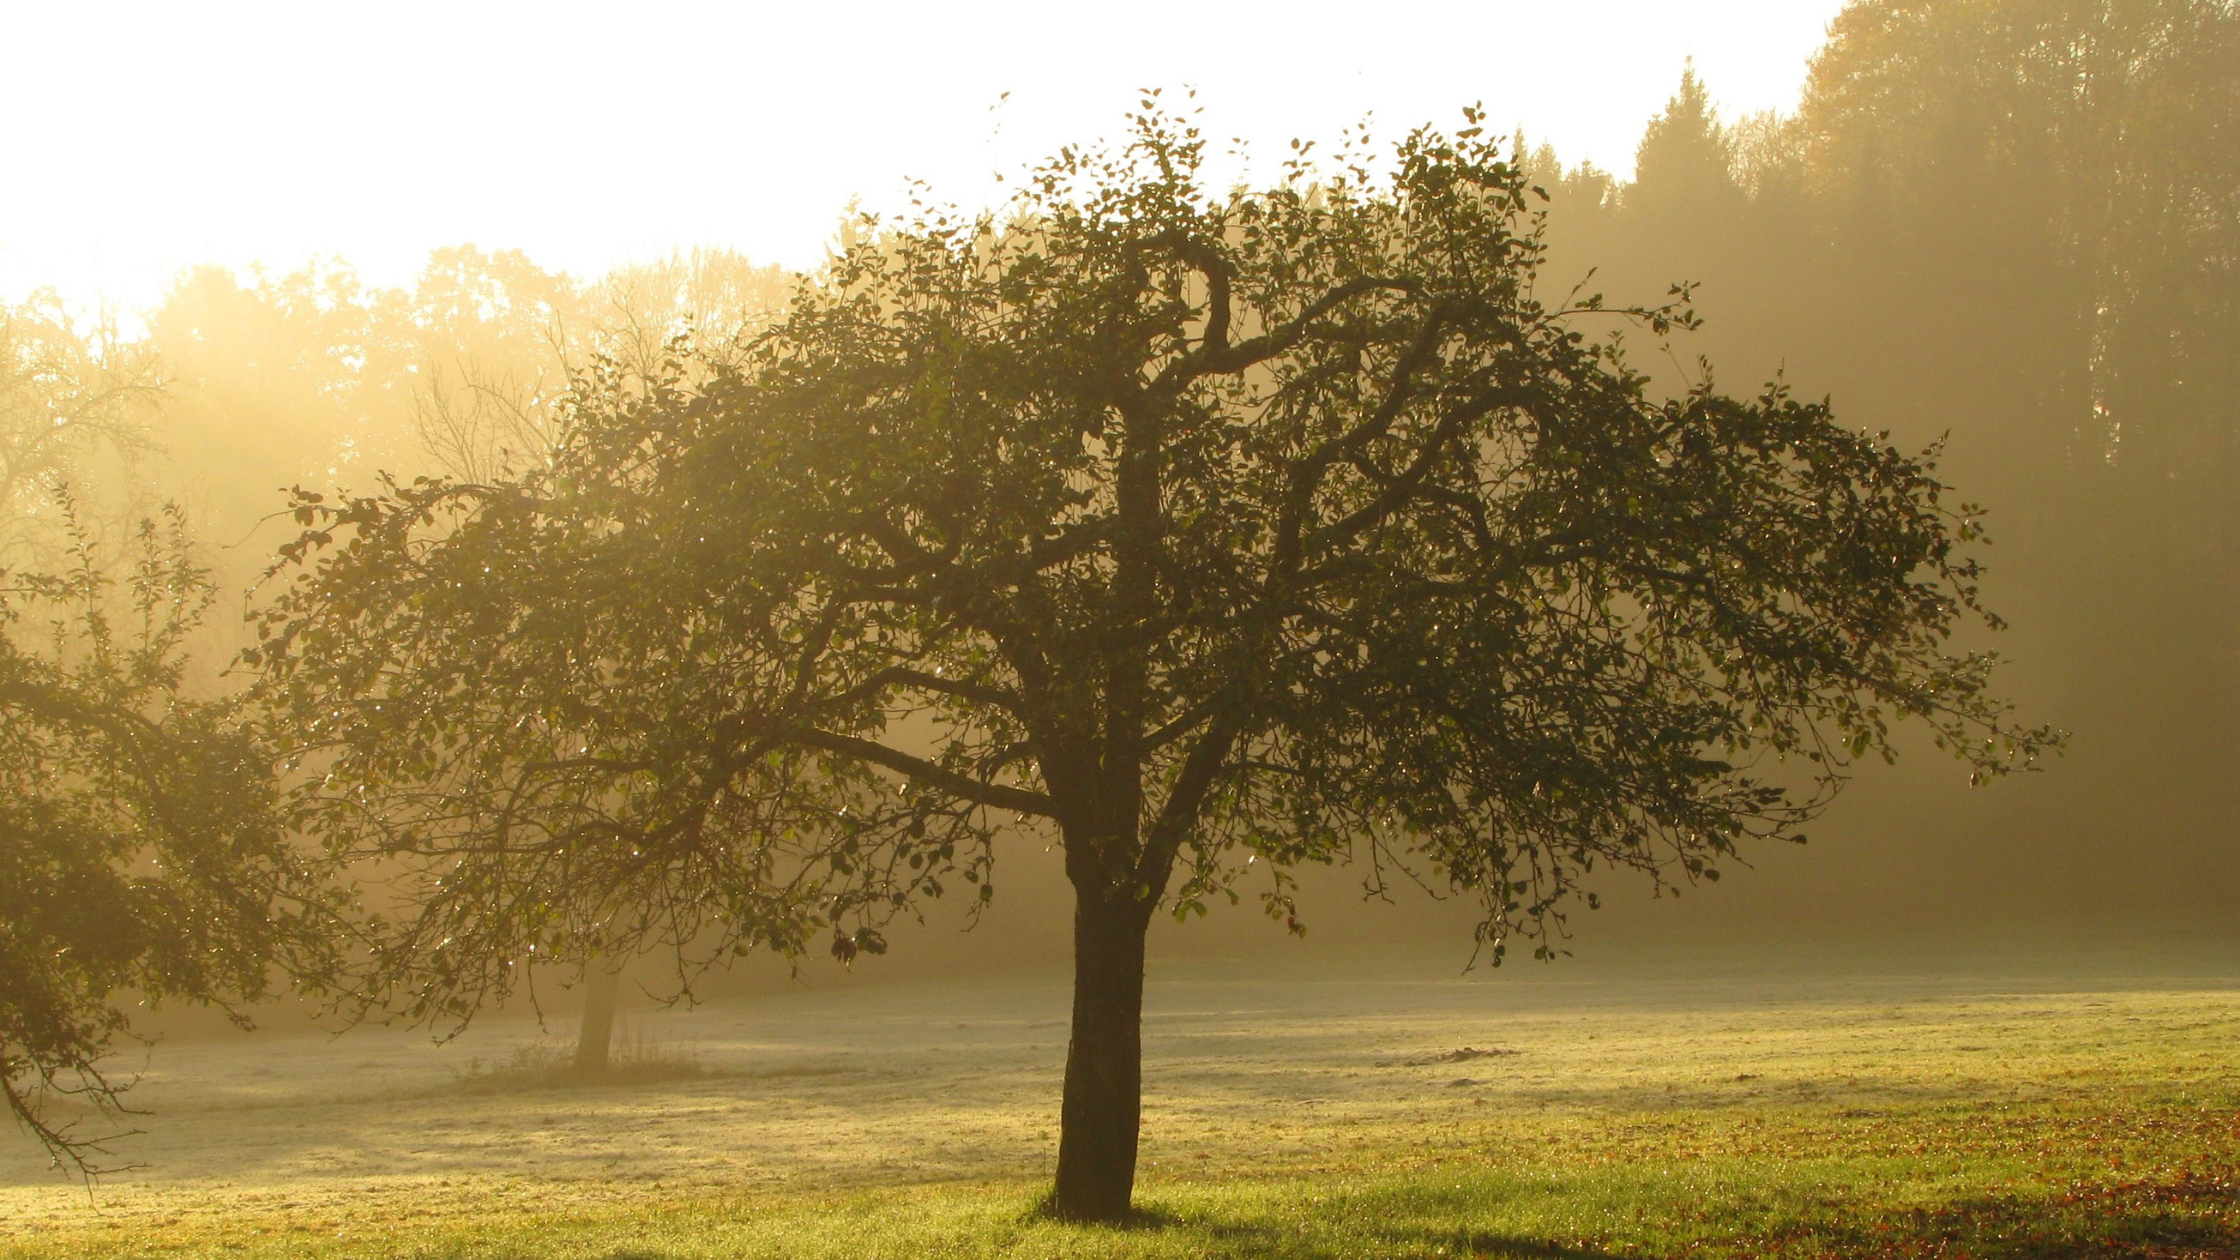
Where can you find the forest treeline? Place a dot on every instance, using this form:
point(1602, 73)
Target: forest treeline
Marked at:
point(235, 387)
point(2012, 225)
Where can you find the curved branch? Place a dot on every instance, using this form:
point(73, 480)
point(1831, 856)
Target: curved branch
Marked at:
point(962, 786)
point(1225, 359)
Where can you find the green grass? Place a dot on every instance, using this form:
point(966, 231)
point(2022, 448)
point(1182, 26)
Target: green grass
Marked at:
point(2035, 1126)
point(2152, 1178)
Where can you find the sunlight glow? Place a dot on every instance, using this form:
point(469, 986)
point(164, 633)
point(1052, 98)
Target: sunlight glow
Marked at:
point(152, 137)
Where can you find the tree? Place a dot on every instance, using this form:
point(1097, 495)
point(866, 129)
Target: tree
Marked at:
point(139, 844)
point(65, 398)
point(315, 375)
point(602, 991)
point(1212, 532)
point(1684, 166)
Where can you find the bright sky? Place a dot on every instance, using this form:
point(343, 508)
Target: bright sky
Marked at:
point(146, 137)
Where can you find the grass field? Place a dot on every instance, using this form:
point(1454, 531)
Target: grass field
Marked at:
point(1546, 1118)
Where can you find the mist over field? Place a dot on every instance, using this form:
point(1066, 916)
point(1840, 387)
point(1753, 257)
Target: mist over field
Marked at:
point(449, 568)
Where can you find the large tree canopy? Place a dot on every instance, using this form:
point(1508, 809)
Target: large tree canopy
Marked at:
point(1204, 528)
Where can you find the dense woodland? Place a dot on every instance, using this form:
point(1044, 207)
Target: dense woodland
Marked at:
point(2012, 227)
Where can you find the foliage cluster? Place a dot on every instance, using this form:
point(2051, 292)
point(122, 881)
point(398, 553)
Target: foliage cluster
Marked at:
point(141, 849)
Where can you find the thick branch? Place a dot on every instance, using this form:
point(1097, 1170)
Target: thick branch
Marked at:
point(1402, 487)
point(1210, 359)
point(1307, 472)
point(962, 786)
point(980, 693)
point(1178, 816)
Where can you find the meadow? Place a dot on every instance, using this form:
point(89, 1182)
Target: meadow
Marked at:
point(1554, 1114)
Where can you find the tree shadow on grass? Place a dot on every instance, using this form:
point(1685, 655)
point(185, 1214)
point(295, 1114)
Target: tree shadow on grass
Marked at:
point(1234, 1236)
point(2195, 1215)
point(1274, 1242)
point(1150, 1219)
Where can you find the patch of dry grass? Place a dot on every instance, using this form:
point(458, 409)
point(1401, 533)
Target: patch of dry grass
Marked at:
point(636, 1057)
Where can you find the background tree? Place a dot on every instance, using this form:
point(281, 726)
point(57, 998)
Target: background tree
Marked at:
point(1213, 532)
point(316, 377)
point(74, 403)
point(140, 848)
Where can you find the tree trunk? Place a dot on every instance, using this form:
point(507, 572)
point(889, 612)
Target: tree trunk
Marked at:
point(1104, 1063)
point(602, 985)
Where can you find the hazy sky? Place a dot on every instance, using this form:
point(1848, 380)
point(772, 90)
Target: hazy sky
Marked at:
point(144, 137)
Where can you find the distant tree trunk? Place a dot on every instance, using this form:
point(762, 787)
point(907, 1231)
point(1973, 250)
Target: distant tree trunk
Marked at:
point(602, 986)
point(1103, 1107)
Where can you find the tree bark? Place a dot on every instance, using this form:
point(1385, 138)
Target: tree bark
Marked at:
point(1103, 1106)
point(602, 987)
